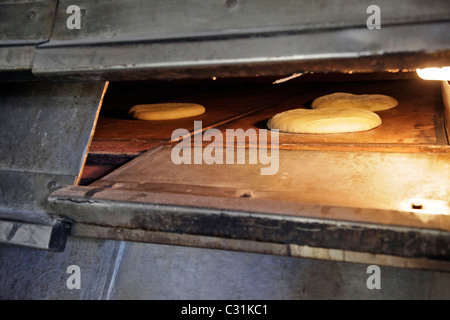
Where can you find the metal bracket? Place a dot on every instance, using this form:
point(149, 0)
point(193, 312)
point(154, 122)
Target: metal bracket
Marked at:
point(50, 237)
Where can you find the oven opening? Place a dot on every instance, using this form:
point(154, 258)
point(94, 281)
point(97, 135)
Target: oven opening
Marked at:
point(378, 168)
point(415, 125)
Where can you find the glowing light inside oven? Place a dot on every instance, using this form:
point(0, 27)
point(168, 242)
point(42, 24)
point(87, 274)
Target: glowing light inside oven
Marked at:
point(434, 73)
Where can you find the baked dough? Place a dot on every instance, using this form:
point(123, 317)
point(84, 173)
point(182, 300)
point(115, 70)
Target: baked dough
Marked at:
point(330, 120)
point(372, 102)
point(165, 111)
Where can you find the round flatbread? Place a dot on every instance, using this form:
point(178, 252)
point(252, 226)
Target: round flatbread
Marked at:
point(372, 102)
point(331, 120)
point(166, 111)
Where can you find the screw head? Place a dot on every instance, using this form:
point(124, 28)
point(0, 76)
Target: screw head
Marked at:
point(31, 15)
point(52, 185)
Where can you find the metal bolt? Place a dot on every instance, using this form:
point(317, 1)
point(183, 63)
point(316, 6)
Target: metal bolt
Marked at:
point(52, 185)
point(31, 15)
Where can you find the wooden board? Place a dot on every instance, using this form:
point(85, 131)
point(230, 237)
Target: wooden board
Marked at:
point(402, 189)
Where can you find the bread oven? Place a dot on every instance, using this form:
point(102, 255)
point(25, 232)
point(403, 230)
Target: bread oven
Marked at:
point(74, 164)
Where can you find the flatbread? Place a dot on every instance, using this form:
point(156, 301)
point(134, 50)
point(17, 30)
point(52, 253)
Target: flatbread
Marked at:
point(372, 102)
point(331, 120)
point(166, 111)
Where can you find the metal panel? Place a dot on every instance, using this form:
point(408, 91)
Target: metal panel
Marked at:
point(46, 129)
point(135, 39)
point(116, 270)
point(27, 22)
point(399, 47)
point(16, 63)
point(23, 25)
point(140, 20)
point(170, 272)
point(24, 194)
point(219, 38)
point(46, 126)
point(16, 58)
point(27, 273)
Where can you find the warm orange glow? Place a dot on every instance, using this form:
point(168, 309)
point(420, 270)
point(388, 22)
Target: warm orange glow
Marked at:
point(434, 73)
